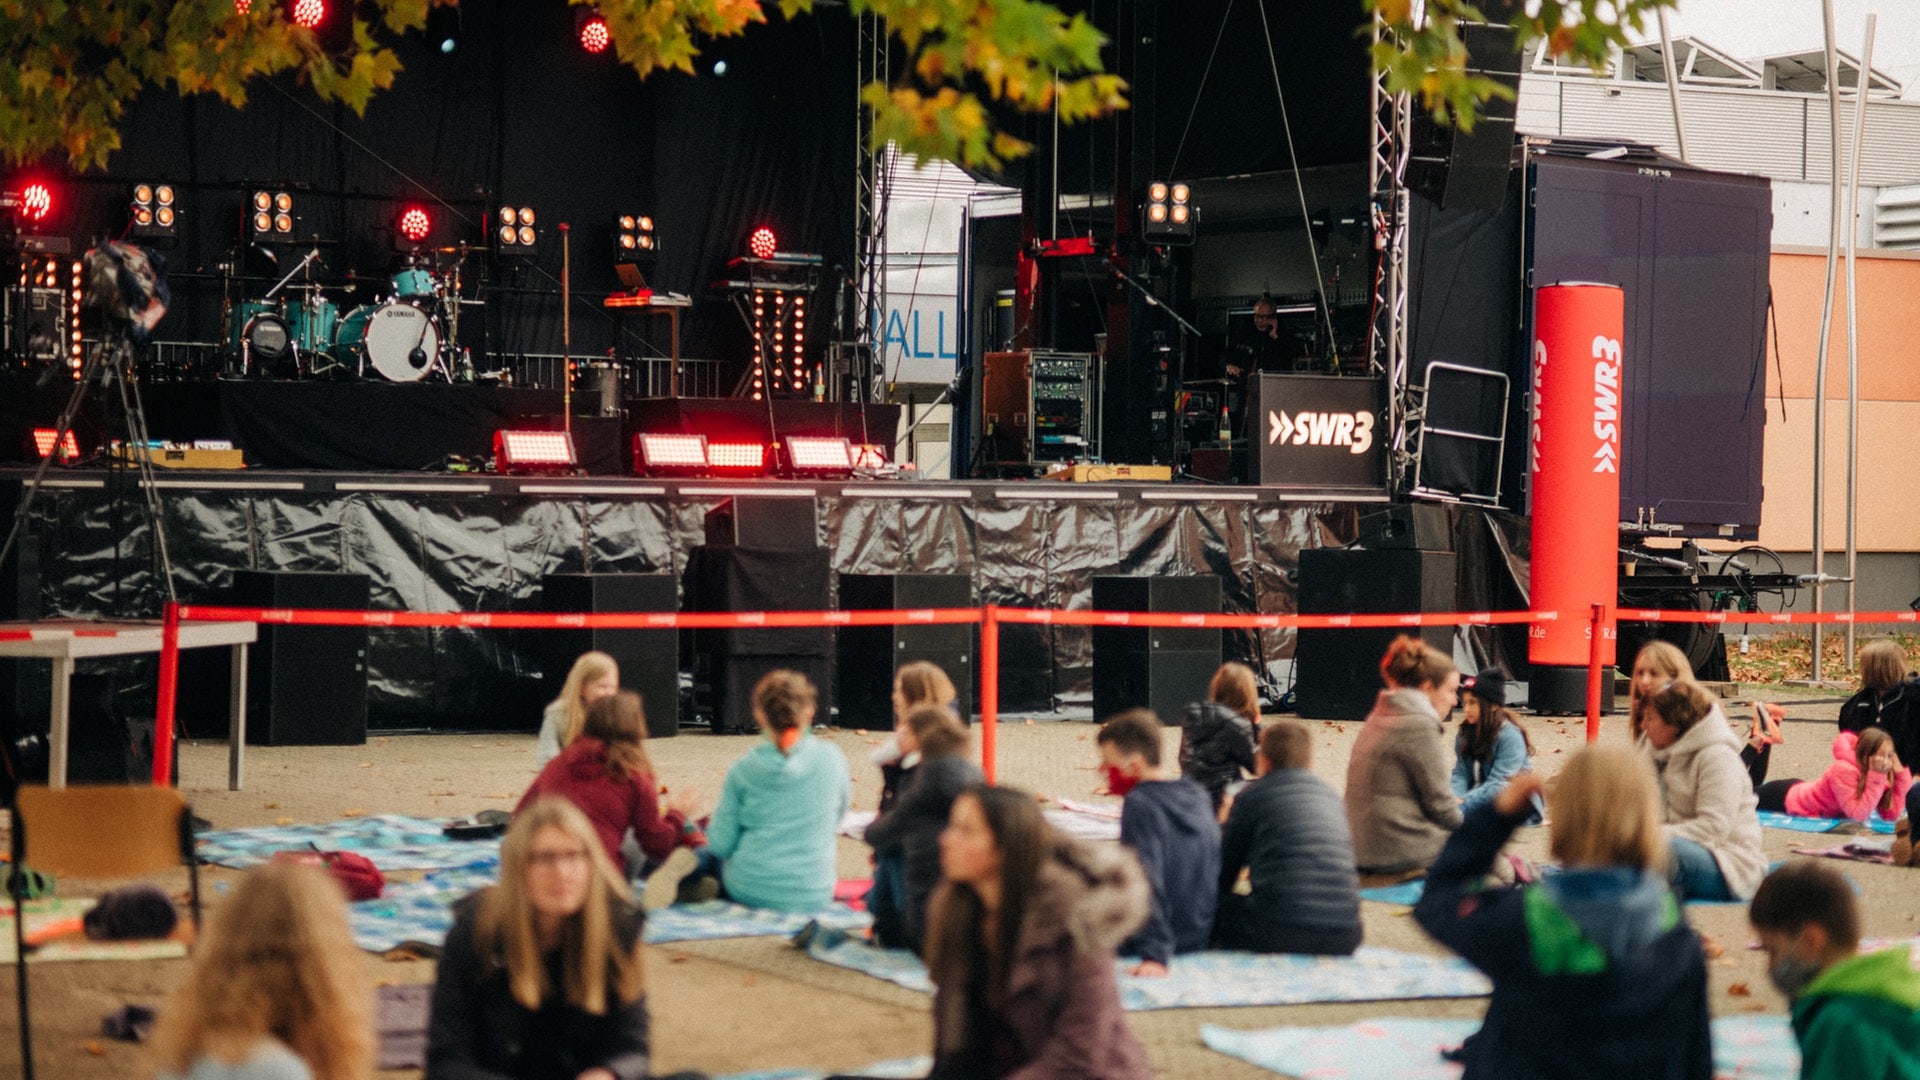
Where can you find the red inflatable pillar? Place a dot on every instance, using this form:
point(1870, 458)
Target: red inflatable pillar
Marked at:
point(1574, 466)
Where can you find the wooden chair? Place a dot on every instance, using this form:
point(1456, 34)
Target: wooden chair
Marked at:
point(93, 831)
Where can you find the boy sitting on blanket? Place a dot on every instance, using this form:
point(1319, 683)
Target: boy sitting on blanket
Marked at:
point(1856, 1016)
point(1169, 823)
point(1288, 830)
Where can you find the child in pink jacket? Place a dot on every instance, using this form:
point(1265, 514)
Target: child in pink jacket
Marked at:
point(1866, 777)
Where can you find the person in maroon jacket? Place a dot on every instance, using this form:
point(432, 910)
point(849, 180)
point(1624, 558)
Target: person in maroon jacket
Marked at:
point(1020, 947)
point(605, 772)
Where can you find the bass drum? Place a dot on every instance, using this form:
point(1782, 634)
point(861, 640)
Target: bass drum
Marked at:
point(397, 340)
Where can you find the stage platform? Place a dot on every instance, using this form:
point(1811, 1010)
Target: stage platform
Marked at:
point(485, 543)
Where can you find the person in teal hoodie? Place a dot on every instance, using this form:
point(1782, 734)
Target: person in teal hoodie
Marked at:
point(773, 832)
point(1856, 1015)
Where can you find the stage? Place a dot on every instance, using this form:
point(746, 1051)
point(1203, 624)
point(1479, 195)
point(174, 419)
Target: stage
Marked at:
point(485, 543)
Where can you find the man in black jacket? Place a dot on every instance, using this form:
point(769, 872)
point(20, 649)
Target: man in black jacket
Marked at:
point(1288, 830)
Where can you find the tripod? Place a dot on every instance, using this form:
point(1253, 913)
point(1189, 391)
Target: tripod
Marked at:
point(109, 363)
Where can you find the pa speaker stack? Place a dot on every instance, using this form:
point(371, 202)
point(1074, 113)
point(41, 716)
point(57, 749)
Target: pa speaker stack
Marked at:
point(1469, 169)
point(1155, 668)
point(762, 554)
point(1337, 672)
point(649, 660)
point(869, 655)
point(306, 685)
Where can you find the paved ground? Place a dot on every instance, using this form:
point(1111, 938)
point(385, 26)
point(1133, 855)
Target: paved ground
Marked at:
point(757, 1003)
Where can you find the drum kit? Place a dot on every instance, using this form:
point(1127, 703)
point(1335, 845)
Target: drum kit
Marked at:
point(296, 330)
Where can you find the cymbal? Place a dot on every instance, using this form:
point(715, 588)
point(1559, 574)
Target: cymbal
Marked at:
point(457, 249)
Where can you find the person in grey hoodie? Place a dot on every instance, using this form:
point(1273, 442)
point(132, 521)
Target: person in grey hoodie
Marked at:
point(1399, 800)
point(1712, 825)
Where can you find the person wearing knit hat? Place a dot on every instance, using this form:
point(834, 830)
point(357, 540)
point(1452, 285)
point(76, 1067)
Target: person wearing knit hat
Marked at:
point(1491, 747)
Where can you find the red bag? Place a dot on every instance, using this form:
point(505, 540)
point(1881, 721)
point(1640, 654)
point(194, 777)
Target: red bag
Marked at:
point(355, 872)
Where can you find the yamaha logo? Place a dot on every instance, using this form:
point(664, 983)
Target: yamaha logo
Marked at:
point(1352, 430)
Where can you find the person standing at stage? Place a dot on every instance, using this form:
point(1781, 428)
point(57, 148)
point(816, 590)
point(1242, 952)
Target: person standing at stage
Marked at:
point(780, 809)
point(593, 677)
point(1399, 799)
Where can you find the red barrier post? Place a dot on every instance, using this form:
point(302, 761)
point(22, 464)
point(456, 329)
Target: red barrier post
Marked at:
point(1596, 645)
point(163, 699)
point(989, 689)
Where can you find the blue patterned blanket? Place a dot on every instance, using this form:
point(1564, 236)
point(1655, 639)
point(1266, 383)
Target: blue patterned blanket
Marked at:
point(1221, 978)
point(392, 841)
point(1393, 1048)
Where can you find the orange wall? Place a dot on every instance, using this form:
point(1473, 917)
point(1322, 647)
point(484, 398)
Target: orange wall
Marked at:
point(1889, 332)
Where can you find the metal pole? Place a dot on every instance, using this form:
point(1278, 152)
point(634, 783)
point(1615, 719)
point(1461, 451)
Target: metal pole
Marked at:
point(566, 328)
point(1673, 83)
point(1853, 325)
point(1818, 550)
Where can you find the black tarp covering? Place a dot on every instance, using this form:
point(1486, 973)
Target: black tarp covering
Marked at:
point(489, 552)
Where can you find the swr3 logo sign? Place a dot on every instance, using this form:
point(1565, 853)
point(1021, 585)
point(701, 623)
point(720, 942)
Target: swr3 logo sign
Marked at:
point(1352, 430)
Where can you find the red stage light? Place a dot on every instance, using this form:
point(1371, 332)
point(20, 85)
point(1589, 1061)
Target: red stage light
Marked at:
point(241, 7)
point(309, 13)
point(762, 244)
point(737, 457)
point(661, 454)
point(43, 442)
point(594, 36)
point(516, 451)
point(414, 224)
point(36, 202)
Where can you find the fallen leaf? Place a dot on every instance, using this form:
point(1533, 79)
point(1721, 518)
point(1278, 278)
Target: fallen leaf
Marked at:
point(441, 793)
point(1712, 948)
point(1740, 990)
point(276, 806)
point(366, 765)
point(285, 821)
point(93, 1047)
point(380, 741)
point(678, 958)
point(355, 812)
point(496, 795)
point(752, 979)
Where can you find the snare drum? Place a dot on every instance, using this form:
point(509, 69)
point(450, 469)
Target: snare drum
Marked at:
point(397, 340)
point(412, 283)
point(312, 323)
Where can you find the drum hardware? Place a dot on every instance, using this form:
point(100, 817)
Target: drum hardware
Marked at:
point(399, 341)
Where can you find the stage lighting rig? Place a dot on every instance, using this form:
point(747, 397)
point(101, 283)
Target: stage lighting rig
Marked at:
point(763, 244)
point(516, 236)
point(821, 456)
point(669, 454)
point(1168, 217)
point(29, 203)
point(634, 240)
point(533, 451)
point(270, 218)
point(411, 227)
point(591, 28)
point(155, 218)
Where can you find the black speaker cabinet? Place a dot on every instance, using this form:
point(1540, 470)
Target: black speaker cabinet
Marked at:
point(1337, 672)
point(1469, 169)
point(869, 655)
point(724, 578)
point(25, 685)
point(1409, 526)
point(765, 522)
point(306, 685)
point(649, 659)
point(1156, 668)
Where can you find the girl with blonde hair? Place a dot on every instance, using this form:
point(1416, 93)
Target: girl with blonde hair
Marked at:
point(541, 977)
point(1595, 974)
point(277, 990)
point(1661, 662)
point(593, 676)
point(908, 834)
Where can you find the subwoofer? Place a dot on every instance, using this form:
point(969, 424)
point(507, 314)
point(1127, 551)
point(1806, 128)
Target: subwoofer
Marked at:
point(868, 656)
point(1337, 672)
point(649, 660)
point(1162, 669)
point(306, 685)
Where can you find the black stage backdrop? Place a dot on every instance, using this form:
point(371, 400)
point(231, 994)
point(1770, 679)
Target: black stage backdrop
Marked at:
point(466, 552)
point(517, 113)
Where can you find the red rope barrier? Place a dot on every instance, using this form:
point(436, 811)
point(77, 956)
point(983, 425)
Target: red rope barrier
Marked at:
point(163, 705)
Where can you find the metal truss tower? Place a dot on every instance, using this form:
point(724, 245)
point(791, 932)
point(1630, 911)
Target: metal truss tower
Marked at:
point(1387, 338)
point(872, 172)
